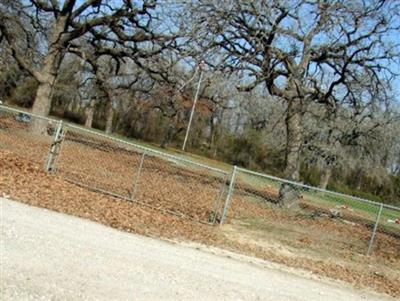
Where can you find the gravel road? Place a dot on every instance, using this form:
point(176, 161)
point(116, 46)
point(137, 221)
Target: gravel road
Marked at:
point(50, 256)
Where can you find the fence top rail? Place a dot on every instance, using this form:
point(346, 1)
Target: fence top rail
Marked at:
point(13, 110)
point(150, 150)
point(143, 148)
point(315, 188)
point(147, 149)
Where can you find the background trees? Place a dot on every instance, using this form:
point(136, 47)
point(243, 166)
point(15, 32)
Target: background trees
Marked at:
point(304, 52)
point(116, 29)
point(300, 89)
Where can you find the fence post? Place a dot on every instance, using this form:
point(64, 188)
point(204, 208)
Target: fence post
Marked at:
point(217, 203)
point(136, 184)
point(54, 147)
point(229, 196)
point(371, 242)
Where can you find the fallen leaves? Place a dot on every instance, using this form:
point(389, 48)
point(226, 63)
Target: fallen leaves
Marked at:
point(23, 180)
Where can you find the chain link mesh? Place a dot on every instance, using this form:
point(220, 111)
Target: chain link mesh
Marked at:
point(180, 187)
point(99, 162)
point(19, 134)
point(116, 167)
point(324, 222)
point(143, 175)
point(386, 244)
point(313, 221)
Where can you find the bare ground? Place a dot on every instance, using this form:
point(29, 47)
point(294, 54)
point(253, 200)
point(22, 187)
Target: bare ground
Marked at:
point(25, 181)
point(51, 256)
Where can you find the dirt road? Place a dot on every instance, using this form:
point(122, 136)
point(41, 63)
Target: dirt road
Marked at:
point(47, 255)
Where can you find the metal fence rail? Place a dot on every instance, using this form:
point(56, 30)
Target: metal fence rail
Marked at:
point(117, 167)
point(326, 222)
point(16, 134)
point(141, 174)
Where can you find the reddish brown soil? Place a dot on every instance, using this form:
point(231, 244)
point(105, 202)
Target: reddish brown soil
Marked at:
point(25, 181)
point(338, 238)
point(171, 186)
point(174, 186)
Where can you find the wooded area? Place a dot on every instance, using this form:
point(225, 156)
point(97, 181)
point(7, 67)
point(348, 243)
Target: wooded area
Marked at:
point(301, 89)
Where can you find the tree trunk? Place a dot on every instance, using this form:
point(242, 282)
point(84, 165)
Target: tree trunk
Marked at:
point(169, 134)
point(90, 113)
point(51, 64)
point(325, 177)
point(42, 104)
point(211, 135)
point(359, 178)
point(294, 141)
point(41, 107)
point(109, 115)
point(237, 125)
point(289, 195)
point(218, 133)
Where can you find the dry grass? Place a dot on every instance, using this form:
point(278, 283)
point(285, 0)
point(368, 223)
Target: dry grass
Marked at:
point(336, 236)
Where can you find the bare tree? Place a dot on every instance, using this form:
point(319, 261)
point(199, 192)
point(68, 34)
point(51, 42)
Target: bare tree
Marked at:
point(111, 81)
point(303, 52)
point(116, 29)
point(335, 139)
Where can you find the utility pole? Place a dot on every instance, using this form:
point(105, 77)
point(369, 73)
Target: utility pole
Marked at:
point(193, 107)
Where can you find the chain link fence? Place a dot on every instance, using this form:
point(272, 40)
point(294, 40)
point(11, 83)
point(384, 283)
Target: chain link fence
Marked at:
point(141, 174)
point(295, 215)
point(312, 220)
point(16, 134)
point(116, 167)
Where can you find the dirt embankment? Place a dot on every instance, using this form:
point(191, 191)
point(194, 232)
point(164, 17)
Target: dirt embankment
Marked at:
point(27, 182)
point(99, 263)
